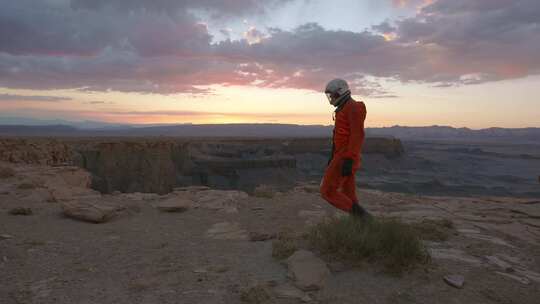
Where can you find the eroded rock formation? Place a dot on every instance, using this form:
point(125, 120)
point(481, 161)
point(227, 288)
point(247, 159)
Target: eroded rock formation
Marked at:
point(160, 165)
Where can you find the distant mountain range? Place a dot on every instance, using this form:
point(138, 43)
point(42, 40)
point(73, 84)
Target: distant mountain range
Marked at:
point(522, 135)
point(84, 124)
point(433, 133)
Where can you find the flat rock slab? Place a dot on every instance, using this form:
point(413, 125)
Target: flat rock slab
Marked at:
point(288, 291)
point(88, 212)
point(227, 231)
point(456, 281)
point(174, 205)
point(455, 255)
point(307, 271)
point(219, 199)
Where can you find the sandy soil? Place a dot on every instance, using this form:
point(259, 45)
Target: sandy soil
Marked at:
point(207, 255)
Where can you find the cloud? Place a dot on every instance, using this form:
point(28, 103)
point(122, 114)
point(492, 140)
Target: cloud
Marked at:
point(12, 97)
point(98, 102)
point(218, 8)
point(411, 3)
point(162, 47)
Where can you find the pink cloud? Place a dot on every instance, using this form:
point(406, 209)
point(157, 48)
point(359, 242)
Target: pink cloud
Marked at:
point(160, 47)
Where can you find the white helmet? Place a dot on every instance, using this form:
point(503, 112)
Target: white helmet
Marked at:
point(337, 90)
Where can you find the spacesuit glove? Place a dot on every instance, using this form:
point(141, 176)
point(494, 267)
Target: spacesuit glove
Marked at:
point(346, 169)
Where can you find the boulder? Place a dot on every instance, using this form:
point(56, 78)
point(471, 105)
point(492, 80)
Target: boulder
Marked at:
point(307, 271)
point(88, 211)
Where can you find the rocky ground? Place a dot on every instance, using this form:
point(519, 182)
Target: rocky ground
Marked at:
point(198, 245)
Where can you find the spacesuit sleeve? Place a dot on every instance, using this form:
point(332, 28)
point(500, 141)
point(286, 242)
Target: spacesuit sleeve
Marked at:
point(356, 117)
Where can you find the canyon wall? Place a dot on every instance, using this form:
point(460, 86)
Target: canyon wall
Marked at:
point(161, 164)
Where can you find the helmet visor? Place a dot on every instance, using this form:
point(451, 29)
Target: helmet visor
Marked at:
point(329, 96)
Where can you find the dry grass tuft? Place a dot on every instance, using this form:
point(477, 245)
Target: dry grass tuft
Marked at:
point(255, 295)
point(394, 244)
point(284, 246)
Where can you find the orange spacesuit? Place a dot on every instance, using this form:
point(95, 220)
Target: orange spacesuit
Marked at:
point(338, 185)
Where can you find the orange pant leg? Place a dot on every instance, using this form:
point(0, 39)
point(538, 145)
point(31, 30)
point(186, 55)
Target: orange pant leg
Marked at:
point(331, 184)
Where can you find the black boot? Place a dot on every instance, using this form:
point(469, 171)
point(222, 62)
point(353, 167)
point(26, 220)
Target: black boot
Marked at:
point(359, 212)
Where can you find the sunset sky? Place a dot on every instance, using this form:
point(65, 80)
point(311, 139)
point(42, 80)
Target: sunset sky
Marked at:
point(462, 63)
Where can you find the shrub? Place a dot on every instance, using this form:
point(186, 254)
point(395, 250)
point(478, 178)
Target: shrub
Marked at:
point(396, 245)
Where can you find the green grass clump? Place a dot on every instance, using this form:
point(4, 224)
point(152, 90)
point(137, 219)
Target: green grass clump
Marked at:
point(394, 244)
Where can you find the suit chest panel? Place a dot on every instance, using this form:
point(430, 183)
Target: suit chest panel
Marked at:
point(342, 124)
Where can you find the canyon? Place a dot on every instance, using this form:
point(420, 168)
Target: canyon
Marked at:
point(159, 165)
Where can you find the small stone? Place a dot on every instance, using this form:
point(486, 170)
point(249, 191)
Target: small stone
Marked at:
point(5, 237)
point(200, 270)
point(456, 281)
point(20, 211)
point(219, 269)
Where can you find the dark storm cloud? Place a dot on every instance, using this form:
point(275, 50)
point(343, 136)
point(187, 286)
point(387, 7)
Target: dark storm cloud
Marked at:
point(160, 46)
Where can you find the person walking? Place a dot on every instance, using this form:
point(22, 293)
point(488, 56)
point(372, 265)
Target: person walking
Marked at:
point(338, 186)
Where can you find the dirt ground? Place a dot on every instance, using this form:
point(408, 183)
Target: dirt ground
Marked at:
point(211, 252)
